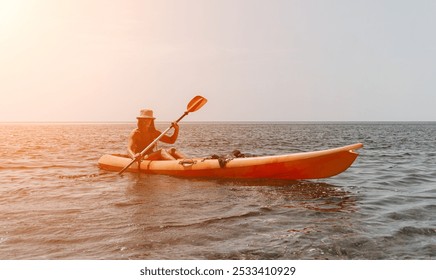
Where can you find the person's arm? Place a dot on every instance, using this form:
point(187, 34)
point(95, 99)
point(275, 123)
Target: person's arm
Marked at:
point(131, 145)
point(171, 139)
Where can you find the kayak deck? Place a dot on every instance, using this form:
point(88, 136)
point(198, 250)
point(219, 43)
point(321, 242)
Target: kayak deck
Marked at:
point(306, 165)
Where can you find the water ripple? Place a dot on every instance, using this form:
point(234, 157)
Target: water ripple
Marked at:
point(56, 204)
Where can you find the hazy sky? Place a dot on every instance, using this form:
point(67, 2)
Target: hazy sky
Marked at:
point(269, 60)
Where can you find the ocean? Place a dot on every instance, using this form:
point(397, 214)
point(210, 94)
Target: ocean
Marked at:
point(56, 204)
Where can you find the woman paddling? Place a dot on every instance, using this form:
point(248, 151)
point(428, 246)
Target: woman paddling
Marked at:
point(145, 133)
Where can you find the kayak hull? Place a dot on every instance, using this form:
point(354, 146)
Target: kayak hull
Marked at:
point(307, 165)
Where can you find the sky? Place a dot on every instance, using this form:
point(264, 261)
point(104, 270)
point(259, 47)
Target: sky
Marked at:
point(254, 60)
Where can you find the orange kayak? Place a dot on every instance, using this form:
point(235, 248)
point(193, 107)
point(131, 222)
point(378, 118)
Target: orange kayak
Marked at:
point(307, 165)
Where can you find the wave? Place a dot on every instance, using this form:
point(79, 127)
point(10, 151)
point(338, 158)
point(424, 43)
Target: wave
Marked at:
point(31, 167)
point(414, 231)
point(207, 222)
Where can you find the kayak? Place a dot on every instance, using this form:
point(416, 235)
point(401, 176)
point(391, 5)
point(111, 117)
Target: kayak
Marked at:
point(295, 166)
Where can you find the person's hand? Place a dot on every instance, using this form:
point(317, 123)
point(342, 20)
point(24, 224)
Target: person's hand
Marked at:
point(138, 156)
point(175, 125)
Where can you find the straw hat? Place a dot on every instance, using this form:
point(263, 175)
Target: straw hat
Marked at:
point(146, 114)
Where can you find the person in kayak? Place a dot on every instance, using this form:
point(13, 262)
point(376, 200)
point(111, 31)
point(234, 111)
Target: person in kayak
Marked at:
point(145, 133)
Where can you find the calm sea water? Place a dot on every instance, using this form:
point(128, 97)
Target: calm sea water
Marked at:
point(56, 204)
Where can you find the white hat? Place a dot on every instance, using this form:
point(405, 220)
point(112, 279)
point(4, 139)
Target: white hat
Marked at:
point(146, 114)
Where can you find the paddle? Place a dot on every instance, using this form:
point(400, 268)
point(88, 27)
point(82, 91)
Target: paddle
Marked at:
point(195, 104)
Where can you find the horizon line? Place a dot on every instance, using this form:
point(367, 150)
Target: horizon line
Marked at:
point(219, 121)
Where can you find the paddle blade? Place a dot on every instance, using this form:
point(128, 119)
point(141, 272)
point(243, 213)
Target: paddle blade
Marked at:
point(195, 104)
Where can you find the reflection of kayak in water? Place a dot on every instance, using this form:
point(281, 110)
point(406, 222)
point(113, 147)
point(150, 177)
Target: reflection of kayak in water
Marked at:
point(308, 165)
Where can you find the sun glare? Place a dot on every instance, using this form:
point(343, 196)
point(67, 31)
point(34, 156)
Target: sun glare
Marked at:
point(11, 13)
